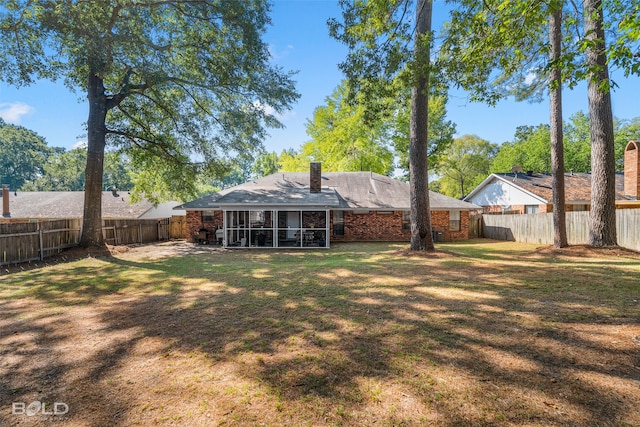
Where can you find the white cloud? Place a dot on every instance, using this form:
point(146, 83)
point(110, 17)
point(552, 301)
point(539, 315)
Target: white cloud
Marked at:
point(14, 111)
point(268, 109)
point(79, 144)
point(277, 54)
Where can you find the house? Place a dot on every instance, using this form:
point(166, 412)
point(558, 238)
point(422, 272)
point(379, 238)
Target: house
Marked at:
point(532, 192)
point(70, 204)
point(312, 209)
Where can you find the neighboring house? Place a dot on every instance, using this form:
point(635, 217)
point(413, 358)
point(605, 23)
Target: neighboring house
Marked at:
point(70, 204)
point(312, 209)
point(532, 192)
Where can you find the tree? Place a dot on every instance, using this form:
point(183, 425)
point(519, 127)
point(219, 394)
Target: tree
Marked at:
point(514, 56)
point(22, 154)
point(463, 165)
point(440, 130)
point(555, 129)
point(577, 143)
point(266, 164)
point(602, 215)
point(64, 171)
point(378, 34)
point(529, 150)
point(292, 161)
point(343, 141)
point(178, 85)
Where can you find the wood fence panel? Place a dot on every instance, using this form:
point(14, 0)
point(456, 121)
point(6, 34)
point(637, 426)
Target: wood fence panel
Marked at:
point(538, 228)
point(35, 240)
point(178, 227)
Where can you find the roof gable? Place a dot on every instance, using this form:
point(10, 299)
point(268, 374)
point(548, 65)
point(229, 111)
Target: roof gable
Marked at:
point(535, 188)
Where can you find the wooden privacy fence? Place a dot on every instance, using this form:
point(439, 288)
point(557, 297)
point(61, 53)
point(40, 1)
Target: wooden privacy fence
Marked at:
point(36, 240)
point(538, 228)
point(30, 241)
point(128, 231)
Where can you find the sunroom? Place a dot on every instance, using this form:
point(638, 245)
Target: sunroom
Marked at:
point(276, 228)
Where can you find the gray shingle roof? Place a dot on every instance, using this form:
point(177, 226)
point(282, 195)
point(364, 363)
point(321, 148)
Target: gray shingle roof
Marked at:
point(69, 204)
point(340, 190)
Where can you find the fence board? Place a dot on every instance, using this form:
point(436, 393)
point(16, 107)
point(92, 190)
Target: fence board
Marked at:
point(35, 240)
point(538, 228)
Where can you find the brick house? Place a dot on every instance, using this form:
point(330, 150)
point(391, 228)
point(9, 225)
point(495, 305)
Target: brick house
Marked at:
point(314, 209)
point(529, 192)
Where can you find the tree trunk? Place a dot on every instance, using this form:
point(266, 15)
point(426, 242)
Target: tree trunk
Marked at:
point(421, 238)
point(602, 217)
point(557, 145)
point(92, 219)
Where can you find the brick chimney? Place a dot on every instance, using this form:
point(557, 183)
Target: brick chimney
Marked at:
point(315, 177)
point(632, 169)
point(5, 201)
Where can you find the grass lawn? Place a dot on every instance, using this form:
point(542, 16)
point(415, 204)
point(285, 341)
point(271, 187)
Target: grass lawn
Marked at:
point(479, 334)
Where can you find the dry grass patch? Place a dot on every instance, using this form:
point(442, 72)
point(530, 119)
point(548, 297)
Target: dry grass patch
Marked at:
point(482, 333)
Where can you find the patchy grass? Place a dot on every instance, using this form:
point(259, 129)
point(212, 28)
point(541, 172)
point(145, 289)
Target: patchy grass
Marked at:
point(481, 333)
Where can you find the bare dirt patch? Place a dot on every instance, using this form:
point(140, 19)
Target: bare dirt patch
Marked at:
point(588, 251)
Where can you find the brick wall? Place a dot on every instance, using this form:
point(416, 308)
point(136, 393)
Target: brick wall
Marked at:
point(372, 226)
point(194, 224)
point(440, 222)
point(388, 227)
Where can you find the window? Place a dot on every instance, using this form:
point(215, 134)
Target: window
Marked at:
point(406, 221)
point(338, 223)
point(579, 208)
point(385, 212)
point(208, 216)
point(361, 212)
point(531, 209)
point(454, 220)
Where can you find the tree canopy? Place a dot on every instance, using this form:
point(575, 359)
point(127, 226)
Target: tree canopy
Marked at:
point(179, 85)
point(463, 165)
point(23, 154)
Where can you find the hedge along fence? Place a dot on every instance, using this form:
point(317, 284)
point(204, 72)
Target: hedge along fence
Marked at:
point(538, 228)
point(36, 240)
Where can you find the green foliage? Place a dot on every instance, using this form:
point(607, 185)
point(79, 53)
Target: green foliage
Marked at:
point(22, 155)
point(530, 150)
point(463, 165)
point(499, 48)
point(577, 143)
point(188, 85)
point(65, 171)
point(292, 161)
point(343, 142)
point(440, 131)
point(378, 34)
point(266, 164)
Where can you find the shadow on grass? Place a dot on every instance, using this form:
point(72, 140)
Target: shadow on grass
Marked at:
point(339, 337)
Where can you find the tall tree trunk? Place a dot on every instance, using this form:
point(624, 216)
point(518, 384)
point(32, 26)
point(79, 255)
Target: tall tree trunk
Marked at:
point(602, 218)
point(92, 219)
point(421, 238)
point(557, 145)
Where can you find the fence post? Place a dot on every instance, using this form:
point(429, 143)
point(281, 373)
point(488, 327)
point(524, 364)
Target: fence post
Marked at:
point(140, 228)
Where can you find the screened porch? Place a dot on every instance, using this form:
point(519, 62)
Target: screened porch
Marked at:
point(276, 228)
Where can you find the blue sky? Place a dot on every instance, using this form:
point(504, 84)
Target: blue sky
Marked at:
point(299, 41)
